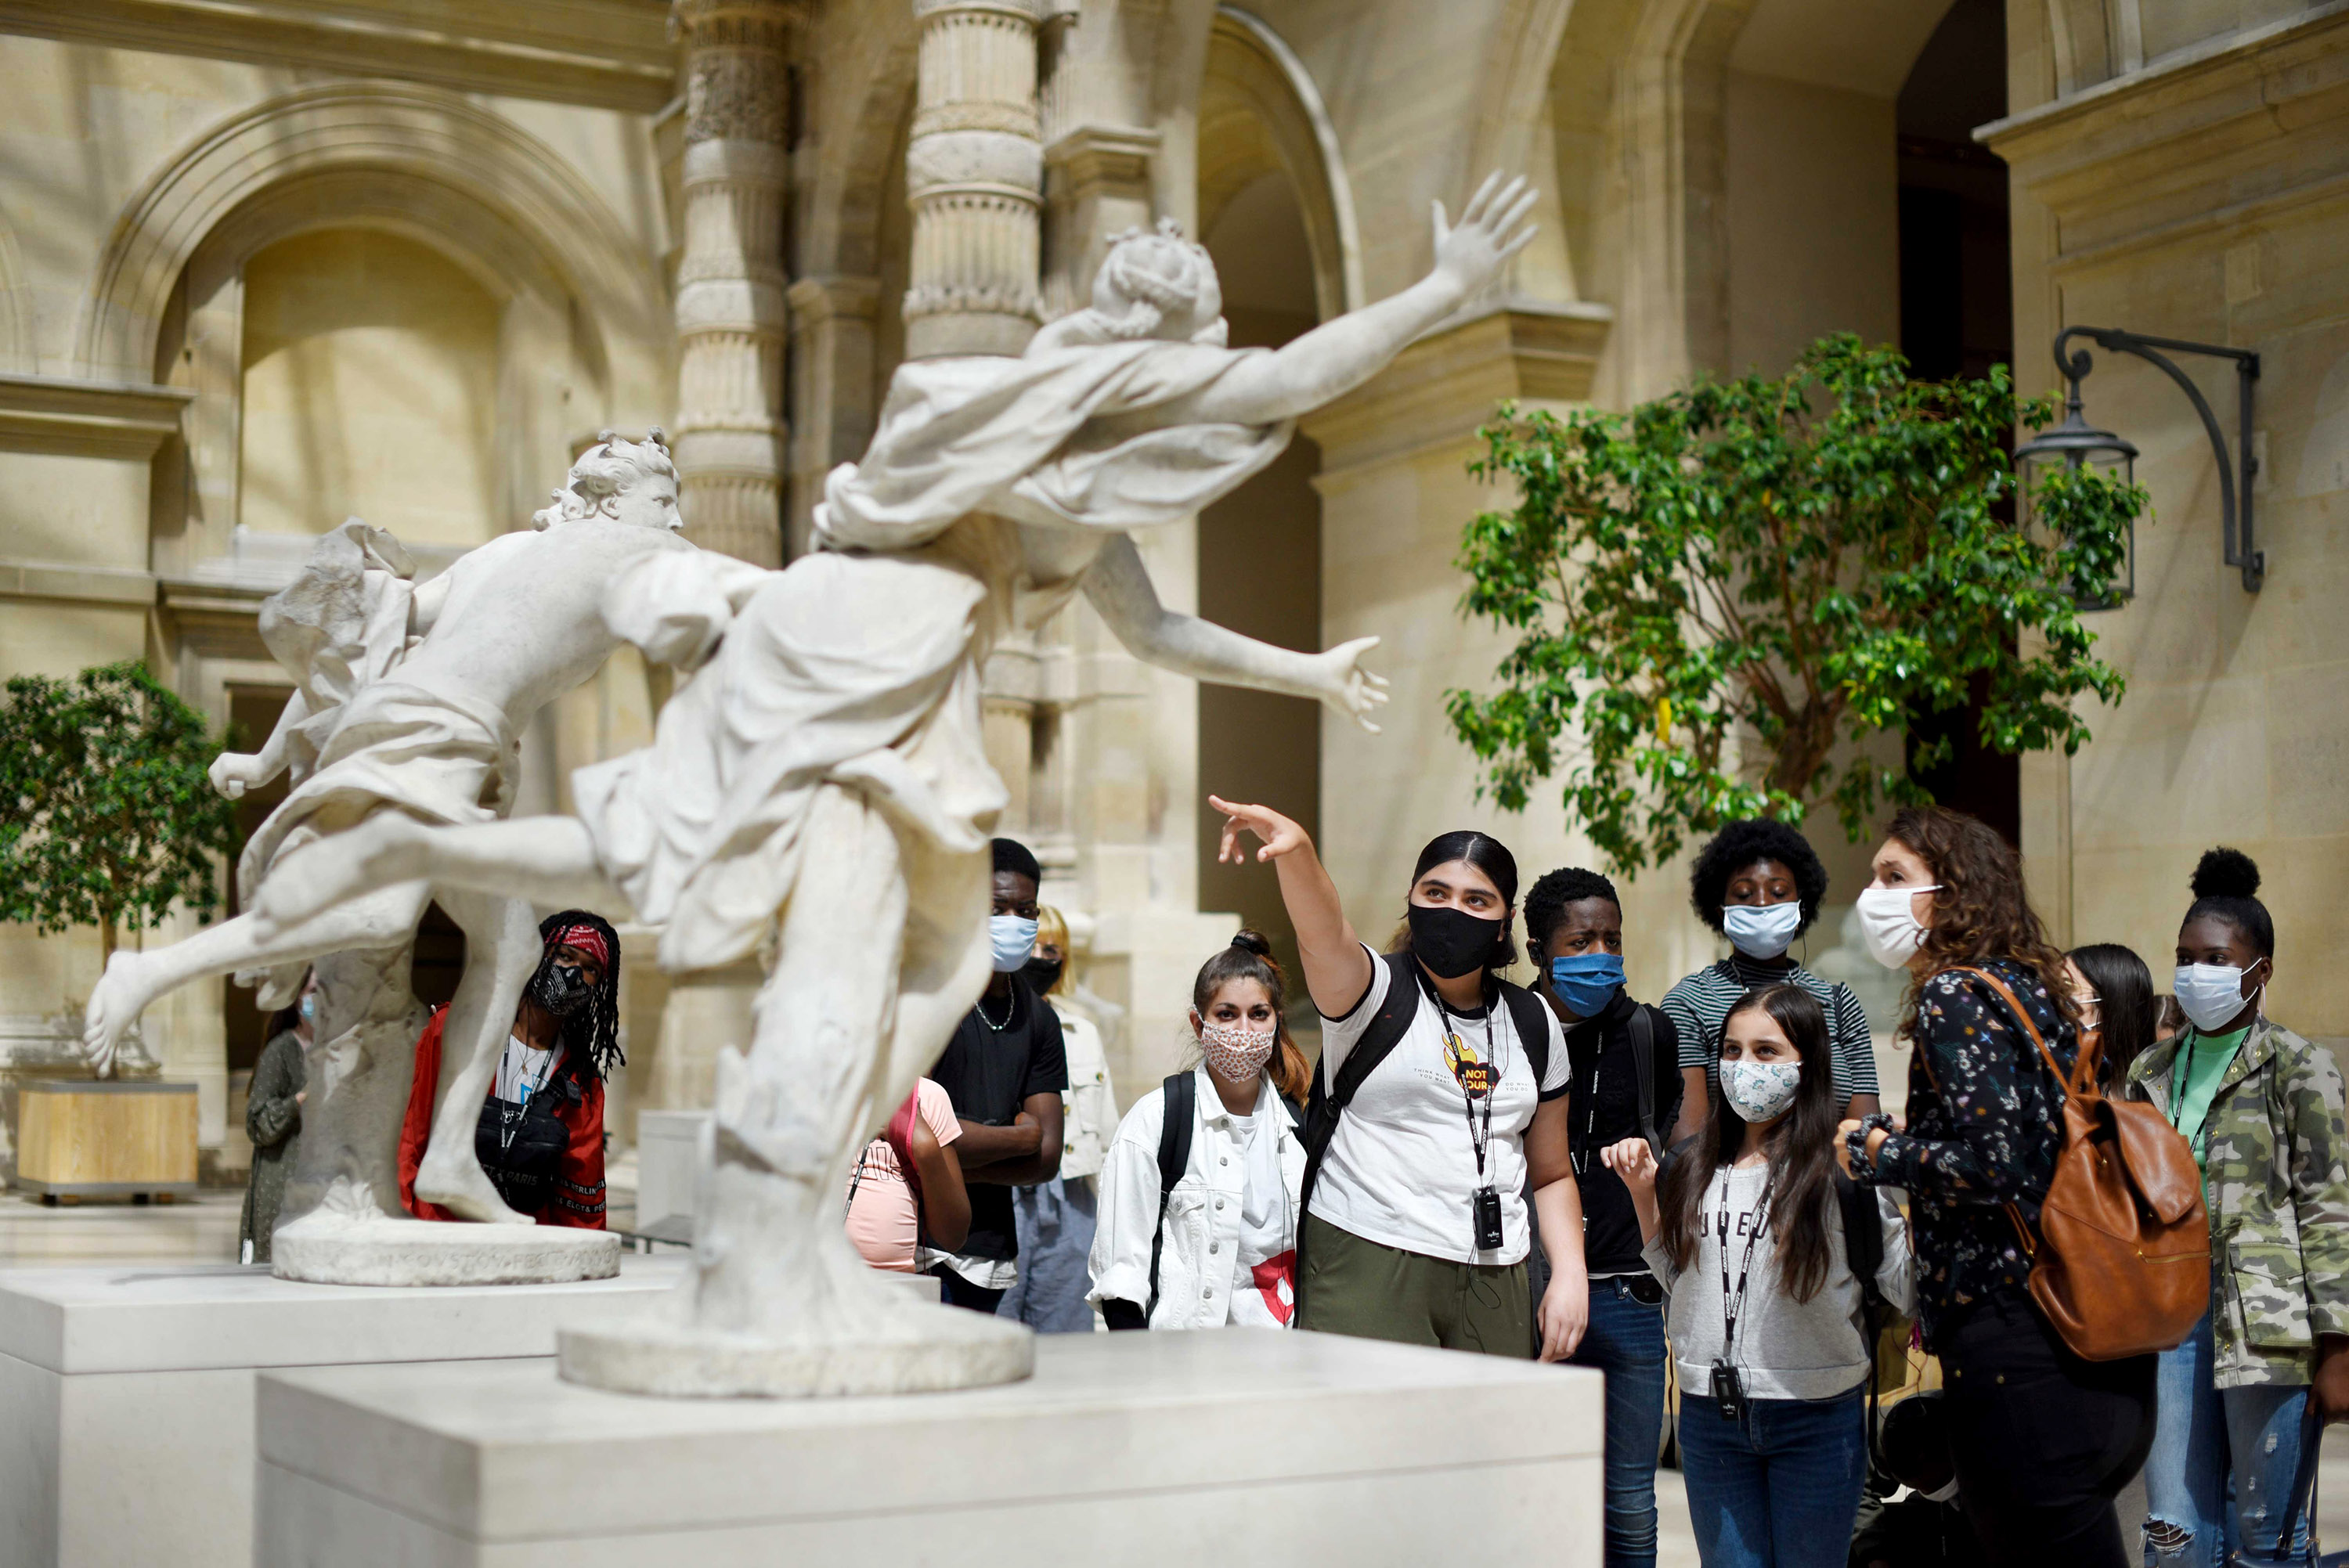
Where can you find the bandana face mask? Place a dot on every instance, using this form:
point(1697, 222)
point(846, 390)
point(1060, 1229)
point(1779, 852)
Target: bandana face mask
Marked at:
point(1236, 1054)
point(561, 988)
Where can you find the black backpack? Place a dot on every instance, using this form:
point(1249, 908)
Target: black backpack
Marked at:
point(1529, 1014)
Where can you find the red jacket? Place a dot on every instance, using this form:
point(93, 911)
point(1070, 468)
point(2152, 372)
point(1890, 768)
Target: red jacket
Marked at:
point(579, 1181)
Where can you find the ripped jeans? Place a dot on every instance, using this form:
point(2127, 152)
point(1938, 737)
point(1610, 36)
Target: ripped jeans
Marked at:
point(2223, 1461)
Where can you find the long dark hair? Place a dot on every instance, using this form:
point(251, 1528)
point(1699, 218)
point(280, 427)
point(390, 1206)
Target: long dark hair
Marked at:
point(591, 1037)
point(2126, 1008)
point(1488, 855)
point(1250, 957)
point(1981, 910)
point(1801, 1147)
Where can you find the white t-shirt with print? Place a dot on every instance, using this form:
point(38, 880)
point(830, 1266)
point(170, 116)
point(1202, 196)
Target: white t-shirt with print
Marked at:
point(1401, 1170)
point(523, 1070)
point(1268, 1229)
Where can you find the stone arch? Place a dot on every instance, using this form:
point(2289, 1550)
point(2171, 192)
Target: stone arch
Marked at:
point(1258, 112)
point(1637, 93)
point(443, 154)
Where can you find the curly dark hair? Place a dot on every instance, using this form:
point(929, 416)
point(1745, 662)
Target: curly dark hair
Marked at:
point(1546, 905)
point(1981, 910)
point(591, 1038)
point(1741, 844)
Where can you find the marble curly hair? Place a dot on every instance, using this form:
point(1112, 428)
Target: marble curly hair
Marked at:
point(604, 472)
point(1153, 282)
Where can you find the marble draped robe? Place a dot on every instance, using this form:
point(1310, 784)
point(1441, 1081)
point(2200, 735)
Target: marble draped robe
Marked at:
point(859, 665)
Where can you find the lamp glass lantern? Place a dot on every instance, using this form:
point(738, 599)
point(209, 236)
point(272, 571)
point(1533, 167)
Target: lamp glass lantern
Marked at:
point(2075, 444)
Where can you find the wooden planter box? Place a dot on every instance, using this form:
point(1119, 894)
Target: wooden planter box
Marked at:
point(87, 1139)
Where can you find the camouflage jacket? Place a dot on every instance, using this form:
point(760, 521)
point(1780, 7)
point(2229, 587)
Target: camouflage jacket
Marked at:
point(2276, 1179)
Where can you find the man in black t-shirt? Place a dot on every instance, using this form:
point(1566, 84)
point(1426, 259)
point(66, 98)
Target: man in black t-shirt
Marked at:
point(1574, 933)
point(1004, 1070)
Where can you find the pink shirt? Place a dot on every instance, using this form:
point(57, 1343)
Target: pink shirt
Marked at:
point(882, 1220)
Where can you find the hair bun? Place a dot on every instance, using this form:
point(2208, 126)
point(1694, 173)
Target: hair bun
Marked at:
point(2226, 874)
point(1254, 942)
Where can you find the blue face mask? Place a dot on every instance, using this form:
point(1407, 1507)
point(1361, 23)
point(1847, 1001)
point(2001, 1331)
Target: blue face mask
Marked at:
point(1587, 982)
point(1013, 937)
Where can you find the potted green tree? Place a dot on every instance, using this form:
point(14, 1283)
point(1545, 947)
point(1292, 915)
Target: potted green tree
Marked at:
point(106, 815)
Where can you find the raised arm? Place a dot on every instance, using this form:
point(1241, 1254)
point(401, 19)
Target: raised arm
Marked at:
point(1333, 359)
point(1337, 968)
point(1118, 586)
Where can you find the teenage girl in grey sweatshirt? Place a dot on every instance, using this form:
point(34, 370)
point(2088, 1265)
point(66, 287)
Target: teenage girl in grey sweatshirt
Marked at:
point(1745, 1232)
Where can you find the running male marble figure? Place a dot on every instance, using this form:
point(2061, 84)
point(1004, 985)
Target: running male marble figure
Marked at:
point(824, 769)
point(409, 701)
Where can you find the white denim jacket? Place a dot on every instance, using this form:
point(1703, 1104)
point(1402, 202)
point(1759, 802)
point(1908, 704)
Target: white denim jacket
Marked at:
point(1203, 1213)
point(1089, 1105)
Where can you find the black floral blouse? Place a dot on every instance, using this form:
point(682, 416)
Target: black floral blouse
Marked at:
point(1985, 1123)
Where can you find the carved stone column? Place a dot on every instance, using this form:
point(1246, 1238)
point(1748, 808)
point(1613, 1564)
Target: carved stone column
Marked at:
point(731, 318)
point(975, 178)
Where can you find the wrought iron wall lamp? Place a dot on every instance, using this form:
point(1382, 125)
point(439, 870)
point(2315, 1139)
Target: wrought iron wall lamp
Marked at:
point(2076, 443)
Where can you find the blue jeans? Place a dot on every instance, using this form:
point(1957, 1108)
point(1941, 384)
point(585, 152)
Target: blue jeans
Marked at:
point(1778, 1487)
point(1055, 1221)
point(1626, 1341)
point(2222, 1464)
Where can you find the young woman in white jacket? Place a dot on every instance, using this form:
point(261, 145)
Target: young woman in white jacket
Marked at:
point(1220, 1246)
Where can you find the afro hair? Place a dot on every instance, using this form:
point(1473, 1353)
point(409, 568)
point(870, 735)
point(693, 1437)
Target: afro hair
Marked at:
point(1739, 845)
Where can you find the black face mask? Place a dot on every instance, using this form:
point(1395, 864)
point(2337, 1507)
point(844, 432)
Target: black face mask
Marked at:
point(561, 988)
point(1043, 973)
point(1452, 941)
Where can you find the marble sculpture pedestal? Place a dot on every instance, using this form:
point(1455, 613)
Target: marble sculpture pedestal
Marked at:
point(126, 1391)
point(1239, 1446)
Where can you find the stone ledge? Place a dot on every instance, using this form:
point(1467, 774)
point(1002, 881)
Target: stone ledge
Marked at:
point(602, 54)
point(76, 584)
point(1448, 383)
point(55, 415)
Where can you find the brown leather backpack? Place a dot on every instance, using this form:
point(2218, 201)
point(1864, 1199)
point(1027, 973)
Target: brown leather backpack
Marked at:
point(2122, 1262)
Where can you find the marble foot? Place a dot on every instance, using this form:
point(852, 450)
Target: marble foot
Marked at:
point(912, 1347)
point(333, 1250)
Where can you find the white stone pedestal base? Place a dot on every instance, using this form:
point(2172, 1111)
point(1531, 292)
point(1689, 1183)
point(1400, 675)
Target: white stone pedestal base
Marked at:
point(1232, 1446)
point(904, 1347)
point(327, 1250)
point(126, 1391)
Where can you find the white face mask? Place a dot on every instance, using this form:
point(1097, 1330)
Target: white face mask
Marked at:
point(2211, 994)
point(1013, 937)
point(1760, 1091)
point(1888, 926)
point(1761, 930)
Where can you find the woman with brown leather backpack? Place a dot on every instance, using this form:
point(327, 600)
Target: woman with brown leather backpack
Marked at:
point(2042, 1437)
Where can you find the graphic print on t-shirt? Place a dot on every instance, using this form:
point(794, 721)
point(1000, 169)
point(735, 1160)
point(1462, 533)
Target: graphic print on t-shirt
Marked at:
point(1474, 1074)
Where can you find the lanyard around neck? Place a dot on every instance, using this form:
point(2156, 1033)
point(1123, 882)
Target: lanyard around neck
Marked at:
point(1477, 1137)
point(1732, 1304)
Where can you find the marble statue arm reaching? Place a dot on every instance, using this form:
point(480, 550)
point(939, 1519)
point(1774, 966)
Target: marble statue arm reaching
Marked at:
point(233, 772)
point(1340, 356)
point(1118, 586)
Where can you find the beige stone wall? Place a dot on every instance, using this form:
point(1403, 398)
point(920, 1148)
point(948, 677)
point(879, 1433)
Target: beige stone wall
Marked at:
point(2202, 201)
point(370, 390)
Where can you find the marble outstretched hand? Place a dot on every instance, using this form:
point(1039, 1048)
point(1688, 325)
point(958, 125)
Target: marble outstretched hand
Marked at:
point(1491, 230)
point(1352, 689)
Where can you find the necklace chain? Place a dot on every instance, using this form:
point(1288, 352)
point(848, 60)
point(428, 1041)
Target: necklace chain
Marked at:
point(980, 1008)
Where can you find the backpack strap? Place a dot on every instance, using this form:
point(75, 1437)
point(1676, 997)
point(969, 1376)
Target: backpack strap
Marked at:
point(1643, 1067)
point(2081, 1080)
point(1181, 1112)
point(1863, 1252)
point(1532, 1018)
point(1328, 1101)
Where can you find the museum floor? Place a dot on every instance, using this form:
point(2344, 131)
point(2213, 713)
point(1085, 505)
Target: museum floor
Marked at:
point(204, 1230)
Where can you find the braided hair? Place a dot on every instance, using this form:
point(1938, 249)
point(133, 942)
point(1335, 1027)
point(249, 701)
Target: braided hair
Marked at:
point(592, 1036)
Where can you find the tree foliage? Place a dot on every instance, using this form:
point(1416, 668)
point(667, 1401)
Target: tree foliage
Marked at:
point(1711, 590)
point(109, 818)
